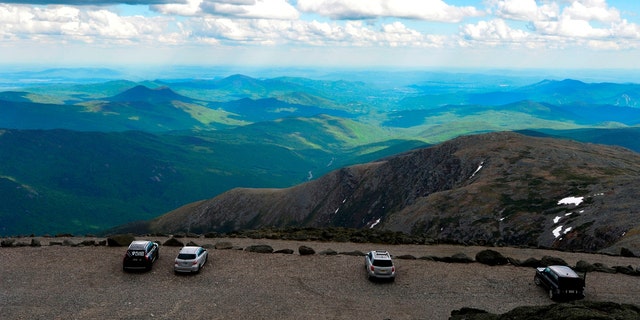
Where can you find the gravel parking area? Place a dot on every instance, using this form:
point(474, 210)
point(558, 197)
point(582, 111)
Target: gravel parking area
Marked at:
point(65, 282)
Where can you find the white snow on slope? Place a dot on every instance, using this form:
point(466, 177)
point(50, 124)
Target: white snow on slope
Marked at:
point(477, 170)
point(571, 200)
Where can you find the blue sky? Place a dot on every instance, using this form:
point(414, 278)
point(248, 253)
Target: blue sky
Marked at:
point(556, 34)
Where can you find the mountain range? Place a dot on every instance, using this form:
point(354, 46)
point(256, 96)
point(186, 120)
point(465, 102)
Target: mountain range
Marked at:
point(495, 188)
point(84, 157)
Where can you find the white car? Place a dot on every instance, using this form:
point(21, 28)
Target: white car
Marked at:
point(379, 265)
point(190, 259)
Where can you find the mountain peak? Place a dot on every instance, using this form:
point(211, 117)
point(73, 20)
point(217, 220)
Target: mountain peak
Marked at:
point(143, 93)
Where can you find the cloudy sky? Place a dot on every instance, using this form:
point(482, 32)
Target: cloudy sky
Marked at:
point(338, 33)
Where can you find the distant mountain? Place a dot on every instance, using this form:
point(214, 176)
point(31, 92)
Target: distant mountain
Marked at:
point(497, 188)
point(141, 93)
point(564, 92)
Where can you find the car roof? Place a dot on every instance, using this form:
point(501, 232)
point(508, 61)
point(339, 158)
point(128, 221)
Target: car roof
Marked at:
point(564, 271)
point(138, 244)
point(190, 249)
point(381, 254)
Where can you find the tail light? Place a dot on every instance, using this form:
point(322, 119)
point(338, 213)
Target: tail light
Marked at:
point(393, 269)
point(372, 268)
point(194, 262)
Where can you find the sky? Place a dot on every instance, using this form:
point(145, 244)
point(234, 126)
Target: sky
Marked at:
point(554, 34)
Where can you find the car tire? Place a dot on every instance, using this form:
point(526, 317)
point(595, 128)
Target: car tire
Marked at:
point(536, 280)
point(552, 295)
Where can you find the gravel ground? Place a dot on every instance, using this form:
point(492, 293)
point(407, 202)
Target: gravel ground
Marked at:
point(63, 282)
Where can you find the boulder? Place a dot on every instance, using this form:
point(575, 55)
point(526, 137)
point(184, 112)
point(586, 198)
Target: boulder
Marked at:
point(260, 248)
point(88, 243)
point(491, 257)
point(552, 261)
point(285, 251)
point(305, 251)
point(626, 252)
point(406, 257)
point(7, 242)
point(583, 266)
point(173, 242)
point(35, 243)
point(560, 311)
point(120, 240)
point(456, 258)
point(192, 244)
point(355, 253)
point(328, 252)
point(601, 267)
point(531, 263)
point(223, 245)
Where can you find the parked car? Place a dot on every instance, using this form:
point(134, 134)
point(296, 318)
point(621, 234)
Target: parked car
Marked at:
point(141, 254)
point(190, 259)
point(379, 264)
point(560, 282)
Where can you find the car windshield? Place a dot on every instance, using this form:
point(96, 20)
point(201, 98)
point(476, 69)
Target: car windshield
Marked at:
point(382, 263)
point(186, 256)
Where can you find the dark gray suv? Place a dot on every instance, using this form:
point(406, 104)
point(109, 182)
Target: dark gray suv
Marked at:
point(560, 282)
point(140, 255)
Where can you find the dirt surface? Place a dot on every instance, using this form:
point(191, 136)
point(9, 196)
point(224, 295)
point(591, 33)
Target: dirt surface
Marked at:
point(86, 282)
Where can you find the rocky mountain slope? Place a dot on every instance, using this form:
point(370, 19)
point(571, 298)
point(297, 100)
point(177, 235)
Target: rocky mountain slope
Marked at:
point(496, 188)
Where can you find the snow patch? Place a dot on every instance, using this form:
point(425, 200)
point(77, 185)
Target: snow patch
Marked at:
point(556, 219)
point(477, 170)
point(571, 200)
point(375, 223)
point(558, 231)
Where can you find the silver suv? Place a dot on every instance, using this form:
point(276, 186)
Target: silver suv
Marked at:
point(190, 259)
point(380, 265)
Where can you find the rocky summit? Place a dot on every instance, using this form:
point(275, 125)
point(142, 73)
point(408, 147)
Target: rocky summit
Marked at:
point(488, 189)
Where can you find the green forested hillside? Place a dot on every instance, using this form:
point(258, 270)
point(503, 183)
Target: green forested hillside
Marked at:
point(84, 182)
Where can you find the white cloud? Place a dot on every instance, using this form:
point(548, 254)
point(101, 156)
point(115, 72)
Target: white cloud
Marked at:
point(591, 10)
point(190, 8)
point(382, 26)
point(63, 23)
point(493, 32)
point(258, 9)
point(428, 10)
point(525, 10)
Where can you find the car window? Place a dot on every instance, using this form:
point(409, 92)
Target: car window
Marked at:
point(186, 256)
point(382, 263)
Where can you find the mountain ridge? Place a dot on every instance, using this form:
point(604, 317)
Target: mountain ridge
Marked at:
point(495, 188)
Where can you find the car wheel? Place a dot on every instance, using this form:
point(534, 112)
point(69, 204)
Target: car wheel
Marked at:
point(552, 295)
